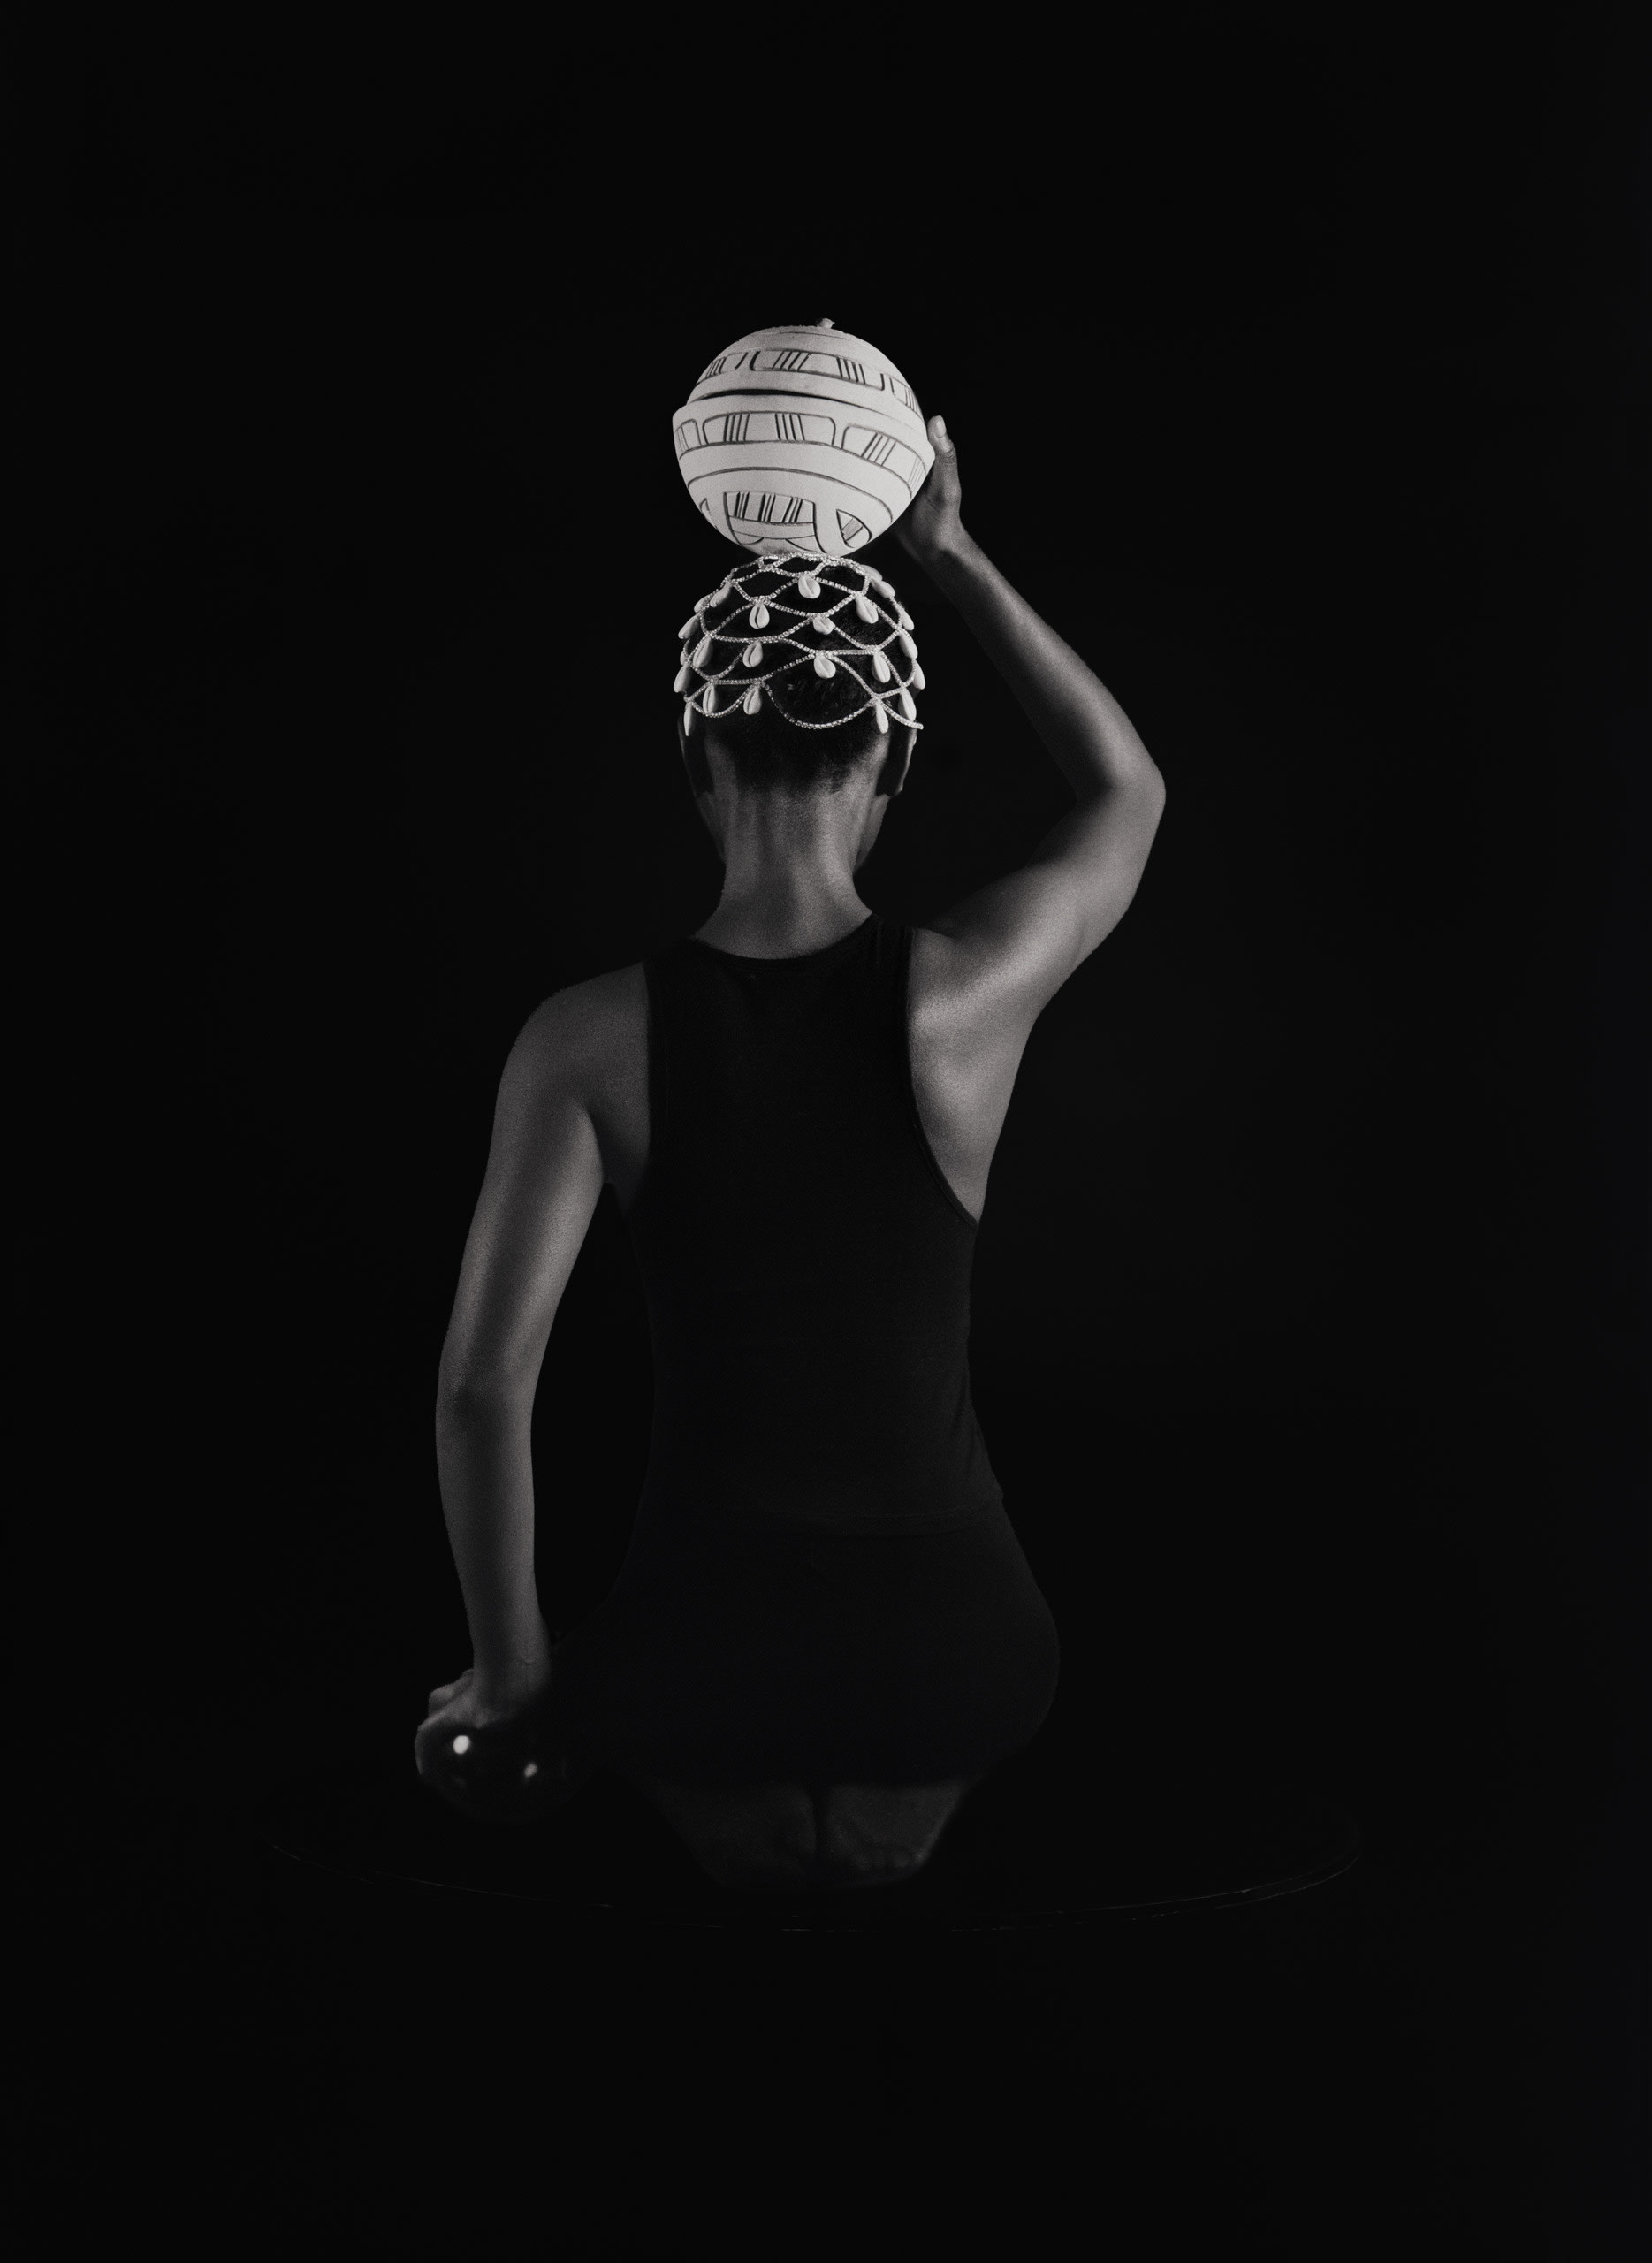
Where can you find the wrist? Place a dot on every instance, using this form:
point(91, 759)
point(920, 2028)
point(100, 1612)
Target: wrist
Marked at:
point(952, 561)
point(511, 1676)
point(511, 1692)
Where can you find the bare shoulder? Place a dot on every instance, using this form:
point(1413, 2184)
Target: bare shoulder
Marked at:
point(578, 1028)
point(998, 956)
point(586, 1047)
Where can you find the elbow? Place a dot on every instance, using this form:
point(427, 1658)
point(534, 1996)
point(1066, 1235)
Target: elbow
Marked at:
point(1152, 806)
point(1138, 787)
point(470, 1398)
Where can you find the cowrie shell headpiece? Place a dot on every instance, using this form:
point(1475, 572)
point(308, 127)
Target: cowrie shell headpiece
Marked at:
point(835, 616)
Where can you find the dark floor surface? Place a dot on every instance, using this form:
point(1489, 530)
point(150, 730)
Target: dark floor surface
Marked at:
point(239, 2055)
point(245, 2056)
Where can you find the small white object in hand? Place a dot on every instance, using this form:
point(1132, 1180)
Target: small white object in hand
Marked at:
point(531, 1769)
point(462, 1744)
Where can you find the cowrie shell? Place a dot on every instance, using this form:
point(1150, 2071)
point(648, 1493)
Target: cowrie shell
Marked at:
point(881, 713)
point(703, 652)
point(907, 708)
point(809, 586)
point(683, 677)
point(753, 699)
point(917, 676)
point(760, 615)
point(907, 645)
point(824, 666)
point(867, 609)
point(881, 668)
point(753, 655)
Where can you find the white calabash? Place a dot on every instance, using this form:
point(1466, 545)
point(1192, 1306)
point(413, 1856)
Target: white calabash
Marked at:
point(803, 439)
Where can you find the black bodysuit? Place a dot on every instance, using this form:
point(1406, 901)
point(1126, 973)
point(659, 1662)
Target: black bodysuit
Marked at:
point(822, 1583)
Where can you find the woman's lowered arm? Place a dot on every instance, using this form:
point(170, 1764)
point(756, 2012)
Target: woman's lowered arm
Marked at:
point(544, 1177)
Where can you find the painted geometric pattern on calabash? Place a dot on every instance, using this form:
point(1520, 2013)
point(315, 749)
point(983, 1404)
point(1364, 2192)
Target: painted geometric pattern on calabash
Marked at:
point(802, 438)
point(773, 524)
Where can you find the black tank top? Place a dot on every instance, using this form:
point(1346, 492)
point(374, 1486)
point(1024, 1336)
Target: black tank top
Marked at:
point(806, 1263)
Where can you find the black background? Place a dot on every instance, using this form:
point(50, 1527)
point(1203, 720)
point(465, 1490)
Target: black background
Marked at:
point(1297, 371)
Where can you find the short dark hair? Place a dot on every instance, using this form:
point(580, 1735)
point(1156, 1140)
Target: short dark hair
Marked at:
point(806, 736)
point(769, 753)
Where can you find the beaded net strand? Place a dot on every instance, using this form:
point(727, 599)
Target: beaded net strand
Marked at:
point(750, 637)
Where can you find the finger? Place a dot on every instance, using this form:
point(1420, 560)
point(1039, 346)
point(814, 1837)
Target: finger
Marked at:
point(429, 1751)
point(449, 1690)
